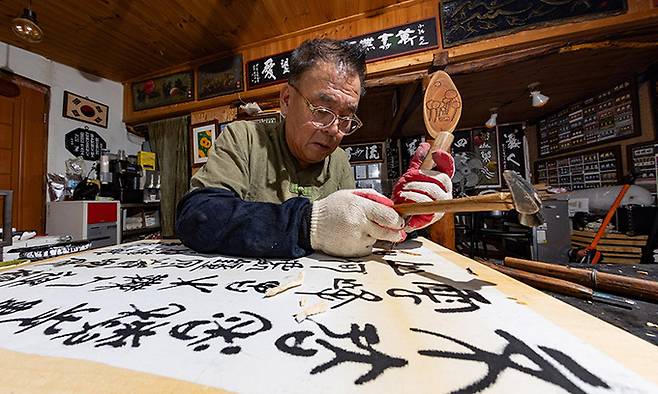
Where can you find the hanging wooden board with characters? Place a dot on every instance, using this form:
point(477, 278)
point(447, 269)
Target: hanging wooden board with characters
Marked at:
point(415, 322)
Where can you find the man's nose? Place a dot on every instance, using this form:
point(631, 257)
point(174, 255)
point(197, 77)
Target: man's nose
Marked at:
point(332, 129)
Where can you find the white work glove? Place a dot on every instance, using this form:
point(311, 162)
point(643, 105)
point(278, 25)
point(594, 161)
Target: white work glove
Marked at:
point(348, 222)
point(418, 185)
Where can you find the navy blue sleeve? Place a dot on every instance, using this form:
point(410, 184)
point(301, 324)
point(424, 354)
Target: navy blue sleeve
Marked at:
point(215, 220)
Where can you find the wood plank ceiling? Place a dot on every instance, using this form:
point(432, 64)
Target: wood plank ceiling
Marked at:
point(123, 39)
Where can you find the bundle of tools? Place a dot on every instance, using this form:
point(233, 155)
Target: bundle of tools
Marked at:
point(585, 283)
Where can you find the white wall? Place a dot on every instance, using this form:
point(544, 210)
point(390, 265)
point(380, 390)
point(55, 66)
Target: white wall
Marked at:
point(60, 78)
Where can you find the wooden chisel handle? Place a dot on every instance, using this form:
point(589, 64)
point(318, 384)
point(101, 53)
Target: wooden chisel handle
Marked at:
point(545, 282)
point(617, 284)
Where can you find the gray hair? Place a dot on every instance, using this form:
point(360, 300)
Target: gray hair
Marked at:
point(341, 53)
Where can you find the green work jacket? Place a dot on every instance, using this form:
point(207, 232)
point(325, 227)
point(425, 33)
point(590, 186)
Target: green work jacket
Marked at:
point(253, 160)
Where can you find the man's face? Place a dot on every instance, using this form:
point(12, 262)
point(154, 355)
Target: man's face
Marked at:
point(324, 85)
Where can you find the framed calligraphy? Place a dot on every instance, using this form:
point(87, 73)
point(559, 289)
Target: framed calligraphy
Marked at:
point(399, 40)
point(394, 41)
point(365, 153)
point(477, 160)
point(268, 70)
point(512, 148)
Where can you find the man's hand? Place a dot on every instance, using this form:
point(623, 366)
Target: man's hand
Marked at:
point(348, 222)
point(418, 185)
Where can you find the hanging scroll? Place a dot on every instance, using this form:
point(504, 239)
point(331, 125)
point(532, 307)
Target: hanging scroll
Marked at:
point(512, 148)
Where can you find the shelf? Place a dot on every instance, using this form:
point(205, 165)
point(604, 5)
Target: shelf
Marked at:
point(139, 231)
point(141, 205)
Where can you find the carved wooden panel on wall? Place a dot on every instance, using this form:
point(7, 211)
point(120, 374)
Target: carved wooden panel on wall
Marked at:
point(464, 21)
point(220, 77)
point(394, 41)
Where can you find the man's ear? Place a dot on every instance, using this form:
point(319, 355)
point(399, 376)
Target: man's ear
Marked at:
point(284, 99)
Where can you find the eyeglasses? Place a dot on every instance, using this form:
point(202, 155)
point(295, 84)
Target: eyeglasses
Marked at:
point(324, 117)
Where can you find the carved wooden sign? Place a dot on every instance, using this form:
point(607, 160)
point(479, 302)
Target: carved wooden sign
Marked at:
point(395, 41)
point(84, 142)
point(395, 322)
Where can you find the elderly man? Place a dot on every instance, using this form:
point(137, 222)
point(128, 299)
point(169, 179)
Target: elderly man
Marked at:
point(287, 190)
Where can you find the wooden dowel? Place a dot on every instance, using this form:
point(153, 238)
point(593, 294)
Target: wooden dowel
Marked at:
point(617, 284)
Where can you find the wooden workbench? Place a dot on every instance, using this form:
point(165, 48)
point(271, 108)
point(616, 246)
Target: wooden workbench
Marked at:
point(155, 317)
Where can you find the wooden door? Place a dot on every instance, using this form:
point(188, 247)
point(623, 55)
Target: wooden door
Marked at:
point(23, 149)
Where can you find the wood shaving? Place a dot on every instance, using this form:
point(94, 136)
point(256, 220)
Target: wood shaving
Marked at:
point(285, 286)
point(303, 301)
point(643, 272)
point(411, 253)
point(314, 309)
point(652, 324)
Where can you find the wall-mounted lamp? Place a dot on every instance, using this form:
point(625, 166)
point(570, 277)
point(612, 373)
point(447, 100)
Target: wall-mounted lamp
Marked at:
point(538, 99)
point(26, 27)
point(491, 123)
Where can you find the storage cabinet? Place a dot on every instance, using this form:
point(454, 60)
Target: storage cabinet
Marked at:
point(95, 220)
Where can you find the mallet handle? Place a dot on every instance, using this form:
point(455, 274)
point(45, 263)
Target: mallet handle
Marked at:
point(486, 203)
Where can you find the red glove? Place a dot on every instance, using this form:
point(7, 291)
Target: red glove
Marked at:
point(418, 185)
